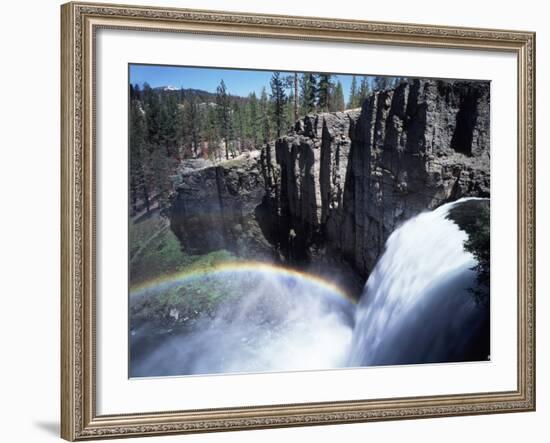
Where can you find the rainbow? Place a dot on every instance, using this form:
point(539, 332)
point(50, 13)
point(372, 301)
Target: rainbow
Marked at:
point(227, 269)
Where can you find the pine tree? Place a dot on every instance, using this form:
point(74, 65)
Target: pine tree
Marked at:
point(289, 107)
point(253, 119)
point(224, 115)
point(324, 92)
point(155, 135)
point(296, 97)
point(338, 103)
point(169, 125)
point(137, 92)
point(138, 134)
point(210, 132)
point(192, 119)
point(308, 92)
point(364, 91)
point(158, 171)
point(151, 102)
point(353, 94)
point(238, 124)
point(265, 117)
point(278, 100)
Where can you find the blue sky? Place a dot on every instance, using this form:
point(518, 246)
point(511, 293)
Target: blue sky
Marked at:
point(238, 82)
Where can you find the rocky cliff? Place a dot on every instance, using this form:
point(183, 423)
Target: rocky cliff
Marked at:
point(413, 148)
point(218, 207)
point(332, 191)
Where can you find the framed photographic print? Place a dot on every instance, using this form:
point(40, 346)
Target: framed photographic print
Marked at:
point(283, 221)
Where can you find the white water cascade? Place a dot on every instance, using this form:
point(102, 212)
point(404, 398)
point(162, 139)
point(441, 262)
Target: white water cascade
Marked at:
point(417, 305)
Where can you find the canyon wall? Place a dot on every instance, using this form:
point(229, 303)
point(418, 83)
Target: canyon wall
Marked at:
point(332, 191)
point(413, 148)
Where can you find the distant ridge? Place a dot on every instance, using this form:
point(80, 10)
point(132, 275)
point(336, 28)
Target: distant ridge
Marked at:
point(190, 93)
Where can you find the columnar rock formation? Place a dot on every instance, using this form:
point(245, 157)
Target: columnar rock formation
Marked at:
point(414, 148)
point(334, 189)
point(312, 164)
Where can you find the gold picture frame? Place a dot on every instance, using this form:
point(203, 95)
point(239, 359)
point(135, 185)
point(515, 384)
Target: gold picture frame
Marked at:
point(79, 22)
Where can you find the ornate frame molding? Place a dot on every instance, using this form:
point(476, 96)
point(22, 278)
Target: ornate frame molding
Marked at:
point(79, 420)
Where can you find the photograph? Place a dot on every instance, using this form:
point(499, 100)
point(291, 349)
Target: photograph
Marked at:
point(291, 221)
point(281, 216)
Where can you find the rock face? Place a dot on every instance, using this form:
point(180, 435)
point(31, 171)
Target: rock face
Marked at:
point(311, 167)
point(414, 148)
point(215, 207)
point(333, 190)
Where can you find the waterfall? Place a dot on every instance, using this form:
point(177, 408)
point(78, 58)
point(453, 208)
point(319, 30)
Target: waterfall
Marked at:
point(417, 305)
